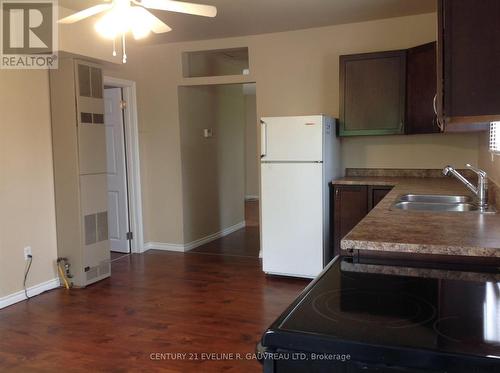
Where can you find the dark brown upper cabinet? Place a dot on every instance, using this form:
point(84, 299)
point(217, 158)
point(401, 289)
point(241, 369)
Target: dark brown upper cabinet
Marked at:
point(372, 93)
point(421, 89)
point(468, 63)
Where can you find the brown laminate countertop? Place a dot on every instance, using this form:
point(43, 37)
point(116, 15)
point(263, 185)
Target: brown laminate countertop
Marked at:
point(424, 232)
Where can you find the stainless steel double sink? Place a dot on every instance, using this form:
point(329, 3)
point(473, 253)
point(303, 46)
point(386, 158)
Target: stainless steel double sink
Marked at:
point(437, 203)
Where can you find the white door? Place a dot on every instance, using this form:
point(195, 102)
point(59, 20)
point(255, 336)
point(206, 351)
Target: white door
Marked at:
point(118, 219)
point(292, 139)
point(292, 218)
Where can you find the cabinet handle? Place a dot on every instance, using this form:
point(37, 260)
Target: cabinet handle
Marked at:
point(263, 139)
point(439, 122)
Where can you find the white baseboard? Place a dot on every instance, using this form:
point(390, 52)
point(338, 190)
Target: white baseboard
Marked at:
point(163, 246)
point(19, 296)
point(251, 198)
point(193, 244)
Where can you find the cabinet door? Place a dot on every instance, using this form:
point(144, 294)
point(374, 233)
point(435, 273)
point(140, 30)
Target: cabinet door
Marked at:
point(372, 93)
point(469, 35)
point(350, 206)
point(376, 194)
point(421, 89)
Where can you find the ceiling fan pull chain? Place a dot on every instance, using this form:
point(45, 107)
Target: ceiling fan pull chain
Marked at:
point(124, 60)
point(114, 47)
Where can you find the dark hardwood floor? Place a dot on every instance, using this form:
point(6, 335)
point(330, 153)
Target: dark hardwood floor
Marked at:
point(116, 255)
point(244, 242)
point(157, 302)
point(252, 213)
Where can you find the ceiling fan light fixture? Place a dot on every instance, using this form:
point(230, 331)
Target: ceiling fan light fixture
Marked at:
point(113, 24)
point(124, 16)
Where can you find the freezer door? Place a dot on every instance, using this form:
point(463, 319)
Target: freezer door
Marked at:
point(292, 139)
point(292, 218)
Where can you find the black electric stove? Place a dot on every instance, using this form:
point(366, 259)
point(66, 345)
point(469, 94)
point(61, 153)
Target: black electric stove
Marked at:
point(386, 318)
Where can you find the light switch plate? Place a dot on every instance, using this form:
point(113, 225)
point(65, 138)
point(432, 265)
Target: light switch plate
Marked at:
point(207, 133)
point(27, 252)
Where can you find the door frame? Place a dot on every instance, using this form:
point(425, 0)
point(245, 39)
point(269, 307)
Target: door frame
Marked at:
point(129, 93)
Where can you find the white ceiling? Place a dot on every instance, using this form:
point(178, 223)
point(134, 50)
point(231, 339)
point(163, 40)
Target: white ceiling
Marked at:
point(249, 17)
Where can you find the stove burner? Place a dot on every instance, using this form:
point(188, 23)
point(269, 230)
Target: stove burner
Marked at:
point(387, 309)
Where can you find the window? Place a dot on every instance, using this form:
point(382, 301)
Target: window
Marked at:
point(215, 62)
point(495, 137)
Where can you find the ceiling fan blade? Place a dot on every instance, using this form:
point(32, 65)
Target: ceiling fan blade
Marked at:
point(156, 25)
point(89, 12)
point(159, 26)
point(180, 7)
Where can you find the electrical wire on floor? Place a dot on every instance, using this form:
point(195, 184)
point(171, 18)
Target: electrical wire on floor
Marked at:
point(61, 272)
point(66, 285)
point(30, 257)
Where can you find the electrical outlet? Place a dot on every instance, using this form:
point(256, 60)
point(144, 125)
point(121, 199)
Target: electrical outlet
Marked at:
point(27, 252)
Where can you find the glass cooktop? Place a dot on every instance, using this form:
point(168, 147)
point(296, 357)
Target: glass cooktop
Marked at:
point(401, 308)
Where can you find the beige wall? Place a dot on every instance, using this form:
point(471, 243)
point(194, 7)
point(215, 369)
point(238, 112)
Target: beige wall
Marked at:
point(159, 142)
point(251, 143)
point(419, 151)
point(230, 134)
point(213, 175)
point(296, 73)
point(488, 162)
point(80, 38)
point(199, 162)
point(27, 214)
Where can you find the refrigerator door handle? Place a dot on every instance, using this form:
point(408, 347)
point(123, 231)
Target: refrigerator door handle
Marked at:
point(263, 139)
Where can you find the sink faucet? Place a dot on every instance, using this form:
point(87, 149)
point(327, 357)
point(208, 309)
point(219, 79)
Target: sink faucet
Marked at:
point(481, 191)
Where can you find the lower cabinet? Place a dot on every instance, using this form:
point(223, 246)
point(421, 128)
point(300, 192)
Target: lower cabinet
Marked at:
point(349, 205)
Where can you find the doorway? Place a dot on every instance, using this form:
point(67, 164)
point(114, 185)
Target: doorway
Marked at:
point(220, 168)
point(118, 200)
point(123, 175)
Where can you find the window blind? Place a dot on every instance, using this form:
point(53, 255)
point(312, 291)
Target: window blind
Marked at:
point(495, 137)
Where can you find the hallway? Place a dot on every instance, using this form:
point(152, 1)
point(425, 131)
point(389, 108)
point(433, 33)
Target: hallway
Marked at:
point(244, 242)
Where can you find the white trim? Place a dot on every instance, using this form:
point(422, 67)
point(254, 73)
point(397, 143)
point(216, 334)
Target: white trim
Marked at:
point(19, 296)
point(251, 198)
point(193, 244)
point(164, 246)
point(495, 138)
point(133, 161)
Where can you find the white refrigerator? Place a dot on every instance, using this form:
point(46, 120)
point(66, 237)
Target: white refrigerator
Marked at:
point(299, 157)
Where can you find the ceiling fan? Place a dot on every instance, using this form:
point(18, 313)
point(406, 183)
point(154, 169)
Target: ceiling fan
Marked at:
point(122, 16)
